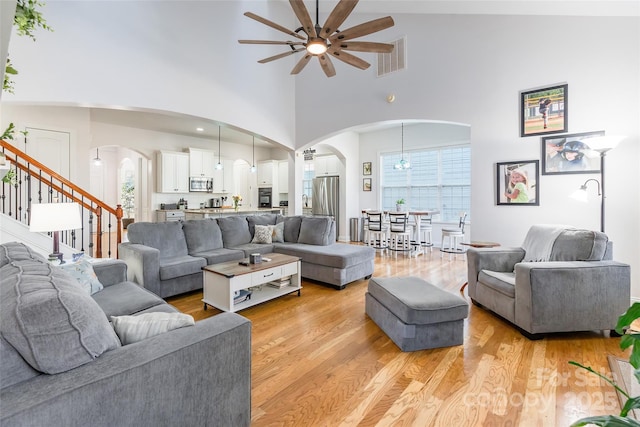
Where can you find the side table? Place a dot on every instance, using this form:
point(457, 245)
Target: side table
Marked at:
point(477, 244)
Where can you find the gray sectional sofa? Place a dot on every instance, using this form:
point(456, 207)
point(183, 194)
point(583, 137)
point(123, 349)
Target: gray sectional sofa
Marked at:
point(167, 258)
point(63, 364)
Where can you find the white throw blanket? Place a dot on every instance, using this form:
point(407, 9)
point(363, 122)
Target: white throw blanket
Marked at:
point(539, 241)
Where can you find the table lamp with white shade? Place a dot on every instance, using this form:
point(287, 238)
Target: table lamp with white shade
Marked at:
point(55, 217)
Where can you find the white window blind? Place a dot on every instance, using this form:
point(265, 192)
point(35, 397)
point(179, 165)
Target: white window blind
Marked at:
point(439, 178)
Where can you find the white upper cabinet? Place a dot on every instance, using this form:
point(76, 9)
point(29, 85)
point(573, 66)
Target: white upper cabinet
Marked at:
point(173, 172)
point(326, 165)
point(265, 173)
point(202, 163)
point(223, 178)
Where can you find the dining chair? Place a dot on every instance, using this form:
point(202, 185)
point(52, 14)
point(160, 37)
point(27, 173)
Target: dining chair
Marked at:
point(455, 236)
point(399, 232)
point(376, 231)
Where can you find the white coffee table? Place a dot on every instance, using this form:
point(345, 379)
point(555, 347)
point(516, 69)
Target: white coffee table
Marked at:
point(222, 280)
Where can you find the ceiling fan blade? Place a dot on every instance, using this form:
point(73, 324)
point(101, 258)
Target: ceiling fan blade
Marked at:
point(350, 59)
point(364, 46)
point(327, 65)
point(281, 55)
point(273, 25)
point(303, 16)
point(289, 43)
point(363, 29)
point(337, 17)
point(301, 64)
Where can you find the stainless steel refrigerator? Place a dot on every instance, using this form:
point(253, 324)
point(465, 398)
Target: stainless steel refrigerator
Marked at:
point(326, 198)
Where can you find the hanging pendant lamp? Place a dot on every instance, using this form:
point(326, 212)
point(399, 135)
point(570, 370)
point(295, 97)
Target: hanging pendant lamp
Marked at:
point(402, 164)
point(97, 160)
point(219, 165)
point(253, 159)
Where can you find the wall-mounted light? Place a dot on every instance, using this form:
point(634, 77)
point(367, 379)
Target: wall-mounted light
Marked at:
point(219, 165)
point(402, 164)
point(253, 161)
point(97, 160)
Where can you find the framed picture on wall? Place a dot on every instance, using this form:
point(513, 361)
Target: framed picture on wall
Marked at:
point(563, 154)
point(366, 168)
point(544, 111)
point(366, 184)
point(517, 183)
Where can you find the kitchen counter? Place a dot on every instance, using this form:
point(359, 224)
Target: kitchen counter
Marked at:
point(224, 211)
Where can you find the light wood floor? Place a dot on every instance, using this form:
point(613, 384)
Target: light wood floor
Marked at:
point(318, 360)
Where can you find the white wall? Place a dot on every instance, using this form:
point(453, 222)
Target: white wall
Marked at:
point(470, 69)
point(162, 55)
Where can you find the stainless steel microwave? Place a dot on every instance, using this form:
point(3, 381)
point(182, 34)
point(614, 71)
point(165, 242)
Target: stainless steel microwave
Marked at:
point(197, 183)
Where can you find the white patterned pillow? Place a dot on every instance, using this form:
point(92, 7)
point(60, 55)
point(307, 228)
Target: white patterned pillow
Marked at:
point(132, 329)
point(277, 234)
point(83, 272)
point(263, 234)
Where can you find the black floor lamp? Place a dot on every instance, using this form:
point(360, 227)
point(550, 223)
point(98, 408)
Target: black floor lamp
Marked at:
point(601, 144)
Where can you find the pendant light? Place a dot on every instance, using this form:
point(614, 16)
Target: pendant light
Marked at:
point(402, 164)
point(253, 162)
point(97, 160)
point(219, 165)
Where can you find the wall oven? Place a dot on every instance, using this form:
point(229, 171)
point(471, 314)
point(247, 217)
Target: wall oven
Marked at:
point(197, 183)
point(264, 197)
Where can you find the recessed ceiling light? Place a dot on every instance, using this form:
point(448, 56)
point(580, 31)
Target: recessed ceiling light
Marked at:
point(200, 129)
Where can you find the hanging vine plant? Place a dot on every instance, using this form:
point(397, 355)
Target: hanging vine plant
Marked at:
point(26, 20)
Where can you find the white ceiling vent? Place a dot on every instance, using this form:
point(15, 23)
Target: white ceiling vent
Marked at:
point(394, 61)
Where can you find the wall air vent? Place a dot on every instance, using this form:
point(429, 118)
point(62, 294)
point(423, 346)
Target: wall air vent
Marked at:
point(394, 61)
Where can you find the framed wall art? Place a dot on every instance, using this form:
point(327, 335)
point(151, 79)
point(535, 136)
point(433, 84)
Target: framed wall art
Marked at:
point(563, 154)
point(517, 183)
point(366, 168)
point(366, 184)
point(544, 111)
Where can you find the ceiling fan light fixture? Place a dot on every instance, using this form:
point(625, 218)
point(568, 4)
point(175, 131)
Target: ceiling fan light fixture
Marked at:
point(316, 46)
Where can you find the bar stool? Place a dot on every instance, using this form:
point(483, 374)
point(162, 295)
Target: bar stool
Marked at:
point(399, 232)
point(376, 231)
point(426, 228)
point(455, 236)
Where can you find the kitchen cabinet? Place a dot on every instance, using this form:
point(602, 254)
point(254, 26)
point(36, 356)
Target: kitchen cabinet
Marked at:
point(202, 163)
point(265, 173)
point(326, 166)
point(173, 172)
point(283, 176)
point(223, 178)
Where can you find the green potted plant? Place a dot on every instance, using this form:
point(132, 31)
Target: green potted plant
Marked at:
point(400, 205)
point(128, 202)
point(630, 339)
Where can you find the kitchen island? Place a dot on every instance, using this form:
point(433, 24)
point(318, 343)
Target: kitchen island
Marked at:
point(226, 211)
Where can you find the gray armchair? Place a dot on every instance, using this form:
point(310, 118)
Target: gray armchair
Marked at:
point(575, 287)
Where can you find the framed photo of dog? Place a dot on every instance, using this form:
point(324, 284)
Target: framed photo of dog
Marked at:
point(517, 183)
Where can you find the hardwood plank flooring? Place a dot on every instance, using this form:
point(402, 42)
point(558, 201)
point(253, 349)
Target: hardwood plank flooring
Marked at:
point(318, 360)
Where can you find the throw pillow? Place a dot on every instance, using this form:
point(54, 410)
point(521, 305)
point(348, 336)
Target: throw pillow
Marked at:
point(278, 233)
point(263, 234)
point(83, 272)
point(132, 329)
point(49, 319)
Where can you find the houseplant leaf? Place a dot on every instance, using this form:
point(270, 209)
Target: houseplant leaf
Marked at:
point(607, 421)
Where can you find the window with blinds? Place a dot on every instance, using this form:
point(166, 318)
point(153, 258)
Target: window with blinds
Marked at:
point(439, 178)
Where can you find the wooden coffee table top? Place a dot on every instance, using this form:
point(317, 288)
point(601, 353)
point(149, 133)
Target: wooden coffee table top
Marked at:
point(232, 268)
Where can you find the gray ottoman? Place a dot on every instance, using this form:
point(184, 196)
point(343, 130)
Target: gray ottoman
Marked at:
point(415, 314)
